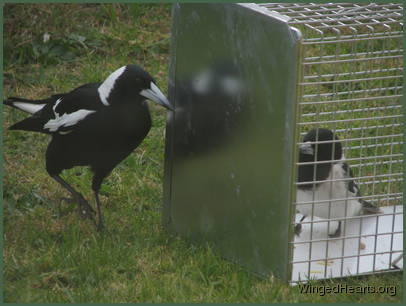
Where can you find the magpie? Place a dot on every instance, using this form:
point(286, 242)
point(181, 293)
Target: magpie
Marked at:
point(214, 91)
point(327, 177)
point(96, 125)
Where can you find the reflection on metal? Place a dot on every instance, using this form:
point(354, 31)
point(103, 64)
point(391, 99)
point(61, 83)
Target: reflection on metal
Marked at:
point(248, 81)
point(229, 150)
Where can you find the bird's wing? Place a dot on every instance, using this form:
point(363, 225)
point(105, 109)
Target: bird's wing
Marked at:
point(63, 112)
point(367, 207)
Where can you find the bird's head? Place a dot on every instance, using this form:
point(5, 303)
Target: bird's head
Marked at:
point(320, 145)
point(131, 83)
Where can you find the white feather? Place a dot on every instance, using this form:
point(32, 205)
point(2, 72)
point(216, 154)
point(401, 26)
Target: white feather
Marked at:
point(328, 191)
point(67, 119)
point(107, 86)
point(56, 104)
point(28, 107)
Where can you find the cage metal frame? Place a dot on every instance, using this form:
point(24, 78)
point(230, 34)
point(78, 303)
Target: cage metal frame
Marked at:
point(376, 93)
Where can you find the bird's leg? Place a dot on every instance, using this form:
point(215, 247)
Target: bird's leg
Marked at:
point(98, 177)
point(85, 210)
point(100, 225)
point(337, 233)
point(298, 226)
point(69, 200)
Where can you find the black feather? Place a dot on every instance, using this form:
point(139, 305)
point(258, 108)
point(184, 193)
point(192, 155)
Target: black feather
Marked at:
point(87, 132)
point(32, 124)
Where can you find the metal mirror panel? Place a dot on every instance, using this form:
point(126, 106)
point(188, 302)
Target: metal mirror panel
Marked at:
point(230, 143)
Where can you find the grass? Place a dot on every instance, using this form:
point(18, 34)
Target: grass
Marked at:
point(53, 258)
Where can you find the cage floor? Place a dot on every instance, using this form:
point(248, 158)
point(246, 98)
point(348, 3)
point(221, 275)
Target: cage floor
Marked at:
point(353, 255)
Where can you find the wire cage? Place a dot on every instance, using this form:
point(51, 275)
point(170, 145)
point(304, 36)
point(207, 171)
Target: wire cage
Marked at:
point(351, 83)
point(249, 81)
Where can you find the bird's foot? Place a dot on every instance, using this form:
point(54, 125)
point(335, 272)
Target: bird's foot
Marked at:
point(65, 212)
point(337, 233)
point(298, 229)
point(298, 226)
point(68, 200)
point(100, 227)
point(85, 210)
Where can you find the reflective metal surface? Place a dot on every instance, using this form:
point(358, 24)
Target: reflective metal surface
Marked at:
point(230, 142)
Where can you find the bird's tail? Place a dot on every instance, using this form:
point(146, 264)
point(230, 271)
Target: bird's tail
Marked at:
point(369, 209)
point(33, 123)
point(26, 105)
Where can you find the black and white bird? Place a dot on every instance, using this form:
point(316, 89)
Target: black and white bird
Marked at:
point(96, 125)
point(325, 178)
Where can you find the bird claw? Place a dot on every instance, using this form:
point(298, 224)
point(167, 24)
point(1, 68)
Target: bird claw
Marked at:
point(100, 227)
point(68, 200)
point(84, 208)
point(337, 233)
point(298, 229)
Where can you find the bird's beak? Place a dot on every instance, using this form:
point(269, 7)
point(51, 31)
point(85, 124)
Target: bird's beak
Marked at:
point(306, 148)
point(156, 95)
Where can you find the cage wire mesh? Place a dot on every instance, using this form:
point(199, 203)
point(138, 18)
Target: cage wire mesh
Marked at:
point(351, 83)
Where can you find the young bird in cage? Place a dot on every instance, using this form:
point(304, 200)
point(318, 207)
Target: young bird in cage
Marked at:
point(326, 178)
point(96, 125)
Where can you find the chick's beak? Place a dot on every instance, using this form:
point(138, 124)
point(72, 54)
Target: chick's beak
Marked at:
point(155, 94)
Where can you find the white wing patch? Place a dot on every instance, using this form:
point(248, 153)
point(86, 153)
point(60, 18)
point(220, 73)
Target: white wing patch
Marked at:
point(327, 192)
point(66, 119)
point(106, 87)
point(56, 104)
point(28, 107)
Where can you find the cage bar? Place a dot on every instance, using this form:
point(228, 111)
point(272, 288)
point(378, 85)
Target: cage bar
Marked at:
point(352, 83)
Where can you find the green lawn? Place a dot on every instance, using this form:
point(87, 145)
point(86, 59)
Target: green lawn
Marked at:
point(51, 255)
